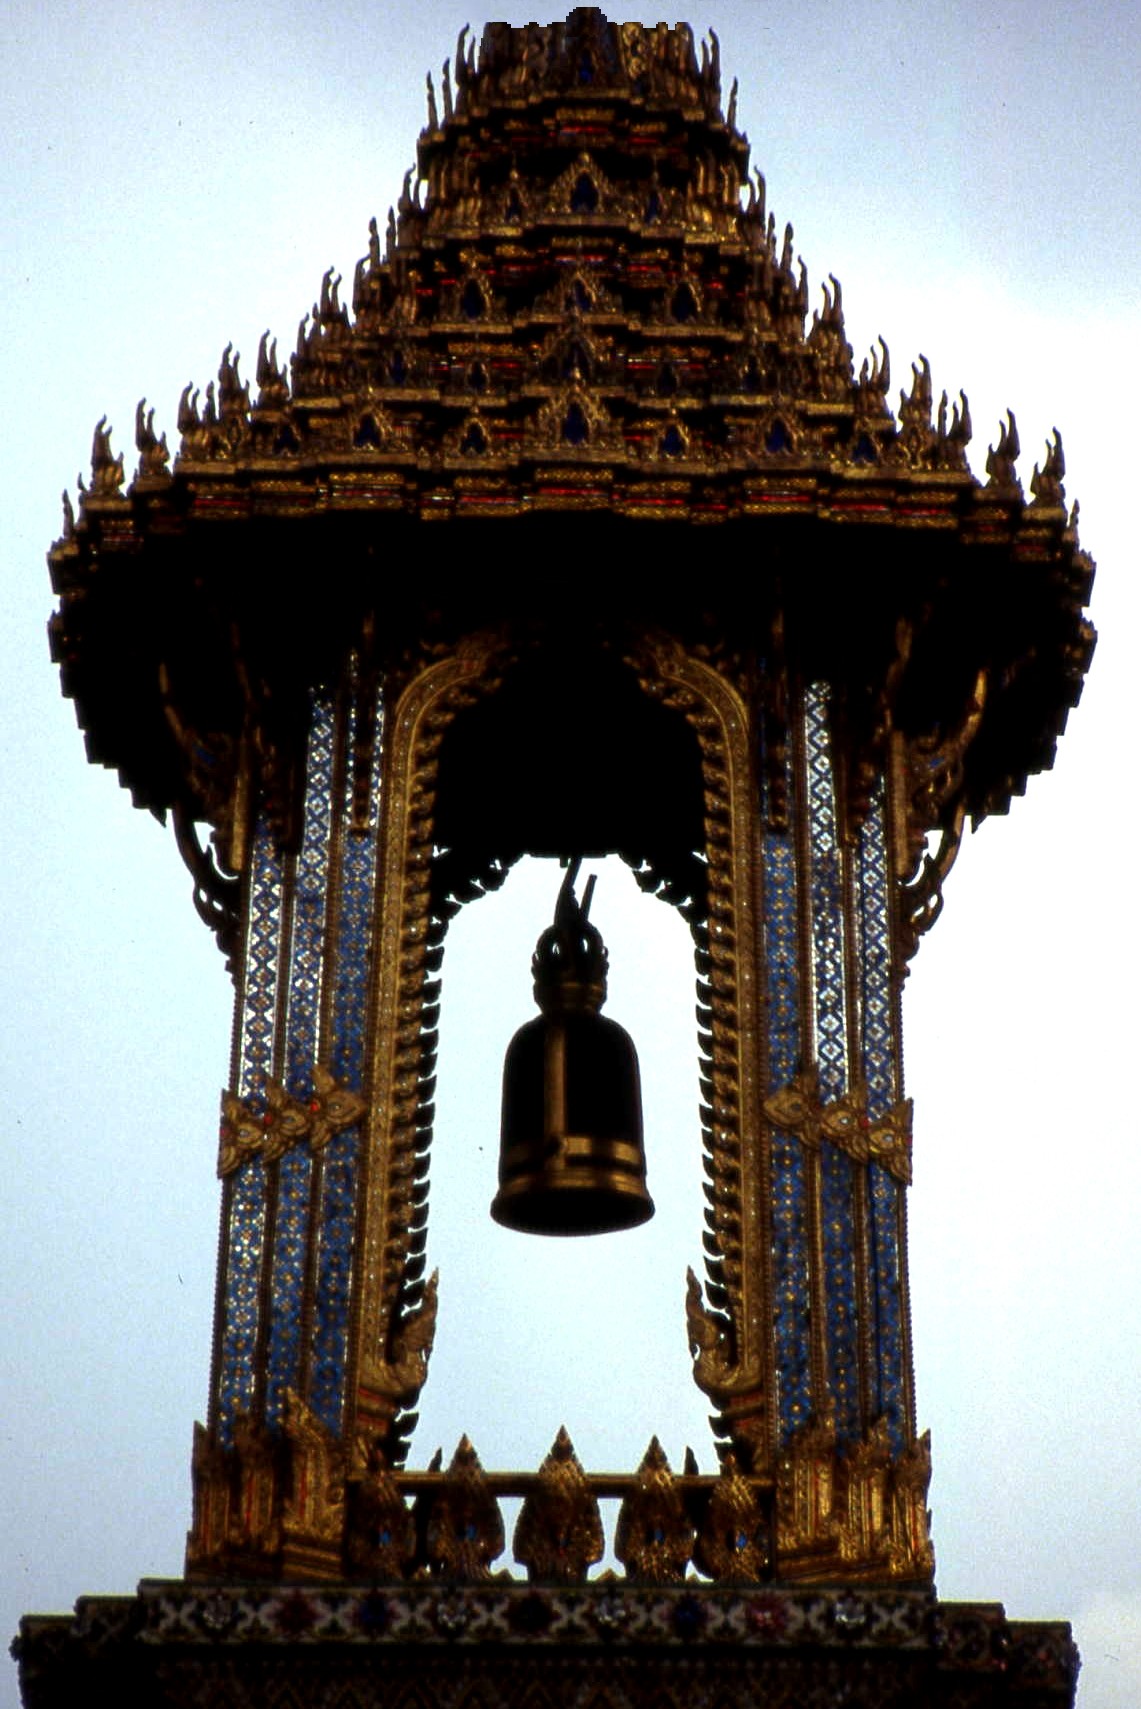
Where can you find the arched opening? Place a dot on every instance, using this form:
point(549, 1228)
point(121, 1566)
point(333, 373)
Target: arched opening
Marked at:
point(575, 428)
point(570, 755)
point(536, 1332)
point(584, 196)
point(473, 303)
point(474, 441)
point(683, 304)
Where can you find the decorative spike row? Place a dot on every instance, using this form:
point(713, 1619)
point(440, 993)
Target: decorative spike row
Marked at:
point(876, 378)
point(323, 348)
point(380, 1530)
point(273, 386)
point(734, 1539)
point(454, 1529)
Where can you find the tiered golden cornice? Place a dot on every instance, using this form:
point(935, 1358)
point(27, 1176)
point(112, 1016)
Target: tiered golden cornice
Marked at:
point(582, 304)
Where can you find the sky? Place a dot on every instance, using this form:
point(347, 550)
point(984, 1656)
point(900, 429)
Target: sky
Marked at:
point(181, 176)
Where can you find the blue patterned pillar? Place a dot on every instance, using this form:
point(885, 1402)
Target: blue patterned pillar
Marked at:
point(839, 1131)
point(290, 1138)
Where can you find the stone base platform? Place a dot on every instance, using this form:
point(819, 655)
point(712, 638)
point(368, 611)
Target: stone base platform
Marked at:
point(609, 1644)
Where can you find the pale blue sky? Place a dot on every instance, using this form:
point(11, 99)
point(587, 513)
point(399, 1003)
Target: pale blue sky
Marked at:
point(177, 177)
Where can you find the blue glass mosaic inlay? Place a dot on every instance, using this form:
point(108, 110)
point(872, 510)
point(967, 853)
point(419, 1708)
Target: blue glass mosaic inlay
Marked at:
point(791, 1305)
point(338, 1210)
point(838, 1233)
point(295, 1170)
point(245, 1232)
point(879, 1059)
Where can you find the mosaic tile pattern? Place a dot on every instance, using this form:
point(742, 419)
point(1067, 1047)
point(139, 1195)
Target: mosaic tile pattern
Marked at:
point(334, 1277)
point(840, 1289)
point(338, 1209)
point(826, 899)
point(354, 924)
point(782, 976)
point(613, 1616)
point(792, 1316)
point(263, 948)
point(309, 900)
point(790, 1243)
point(329, 937)
point(246, 1227)
point(877, 1042)
point(878, 1055)
point(245, 1245)
point(287, 1278)
point(886, 1254)
point(594, 1647)
point(295, 1170)
point(836, 1211)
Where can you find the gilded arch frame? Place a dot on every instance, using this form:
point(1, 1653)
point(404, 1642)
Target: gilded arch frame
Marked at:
point(389, 1343)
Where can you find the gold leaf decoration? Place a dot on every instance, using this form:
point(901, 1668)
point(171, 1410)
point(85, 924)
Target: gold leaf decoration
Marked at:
point(889, 1141)
point(465, 1527)
point(654, 1538)
point(380, 1534)
point(240, 1134)
point(331, 1108)
point(733, 1536)
point(285, 1121)
point(559, 1532)
point(315, 1503)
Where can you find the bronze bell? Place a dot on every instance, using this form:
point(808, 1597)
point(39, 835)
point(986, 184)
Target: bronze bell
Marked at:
point(571, 1159)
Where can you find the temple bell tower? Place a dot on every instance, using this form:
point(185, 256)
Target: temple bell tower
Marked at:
point(571, 529)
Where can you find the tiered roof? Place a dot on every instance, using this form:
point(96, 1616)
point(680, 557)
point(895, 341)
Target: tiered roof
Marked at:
point(581, 305)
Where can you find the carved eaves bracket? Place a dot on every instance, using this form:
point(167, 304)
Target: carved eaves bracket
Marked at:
point(927, 787)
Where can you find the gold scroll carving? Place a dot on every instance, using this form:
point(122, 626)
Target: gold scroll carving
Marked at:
point(285, 1121)
point(384, 1345)
point(313, 1520)
point(859, 1513)
point(730, 1337)
point(797, 1108)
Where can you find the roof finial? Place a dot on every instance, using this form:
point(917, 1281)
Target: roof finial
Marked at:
point(1001, 458)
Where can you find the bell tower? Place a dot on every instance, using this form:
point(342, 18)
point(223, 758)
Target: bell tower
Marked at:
point(573, 533)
